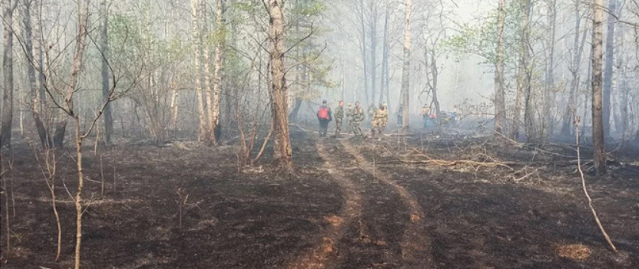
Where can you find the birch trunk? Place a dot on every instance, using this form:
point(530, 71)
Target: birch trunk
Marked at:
point(283, 152)
point(208, 81)
point(500, 99)
point(406, 71)
point(597, 91)
point(83, 18)
point(33, 57)
point(7, 67)
point(197, 42)
point(214, 113)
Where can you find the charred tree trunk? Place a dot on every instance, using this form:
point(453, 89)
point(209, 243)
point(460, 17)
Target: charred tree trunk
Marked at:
point(406, 71)
point(283, 152)
point(33, 57)
point(104, 47)
point(296, 109)
point(597, 91)
point(7, 67)
point(60, 131)
point(432, 75)
point(608, 73)
point(500, 98)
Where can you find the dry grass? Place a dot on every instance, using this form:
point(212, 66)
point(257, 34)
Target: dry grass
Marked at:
point(334, 220)
point(576, 252)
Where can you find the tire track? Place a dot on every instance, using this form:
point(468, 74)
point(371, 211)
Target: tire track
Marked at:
point(325, 255)
point(416, 248)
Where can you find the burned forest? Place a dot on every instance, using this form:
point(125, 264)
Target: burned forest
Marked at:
point(319, 134)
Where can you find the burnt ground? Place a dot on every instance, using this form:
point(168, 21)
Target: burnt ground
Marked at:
point(349, 203)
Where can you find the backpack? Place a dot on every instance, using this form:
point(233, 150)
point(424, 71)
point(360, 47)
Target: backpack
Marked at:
point(323, 113)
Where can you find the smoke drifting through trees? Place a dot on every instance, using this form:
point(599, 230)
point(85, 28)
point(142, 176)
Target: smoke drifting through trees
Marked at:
point(175, 84)
point(242, 73)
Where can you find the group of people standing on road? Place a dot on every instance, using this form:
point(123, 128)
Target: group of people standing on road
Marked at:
point(355, 116)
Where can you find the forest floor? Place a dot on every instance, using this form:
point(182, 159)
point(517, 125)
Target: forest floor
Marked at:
point(448, 200)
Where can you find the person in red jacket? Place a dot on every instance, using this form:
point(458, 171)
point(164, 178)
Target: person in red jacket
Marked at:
point(324, 115)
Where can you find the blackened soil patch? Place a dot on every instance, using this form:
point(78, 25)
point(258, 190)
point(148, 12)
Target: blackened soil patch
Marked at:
point(255, 218)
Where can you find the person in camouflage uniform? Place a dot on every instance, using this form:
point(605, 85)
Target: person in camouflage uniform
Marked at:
point(379, 121)
point(349, 116)
point(356, 119)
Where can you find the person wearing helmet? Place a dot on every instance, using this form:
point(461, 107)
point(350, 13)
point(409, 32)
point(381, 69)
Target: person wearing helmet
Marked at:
point(380, 119)
point(356, 119)
point(324, 115)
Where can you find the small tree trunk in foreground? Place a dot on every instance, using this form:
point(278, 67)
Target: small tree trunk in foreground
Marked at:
point(283, 152)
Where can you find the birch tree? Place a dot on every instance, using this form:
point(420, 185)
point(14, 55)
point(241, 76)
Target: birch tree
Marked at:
point(208, 80)
point(32, 55)
point(197, 44)
point(597, 91)
point(220, 38)
point(500, 98)
point(83, 20)
point(7, 67)
point(405, 90)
